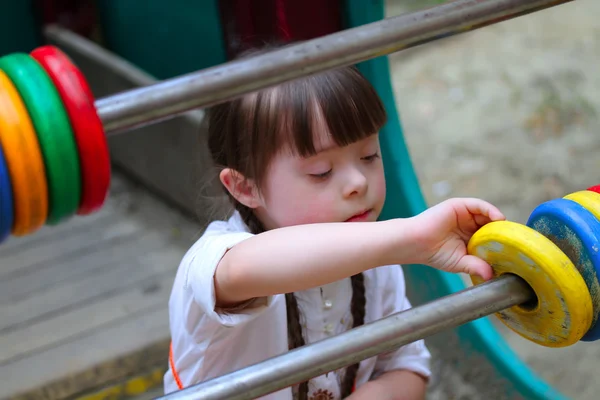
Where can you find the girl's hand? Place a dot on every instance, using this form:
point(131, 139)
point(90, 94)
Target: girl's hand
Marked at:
point(445, 231)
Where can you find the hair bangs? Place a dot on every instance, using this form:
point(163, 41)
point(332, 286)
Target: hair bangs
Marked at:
point(341, 101)
point(293, 117)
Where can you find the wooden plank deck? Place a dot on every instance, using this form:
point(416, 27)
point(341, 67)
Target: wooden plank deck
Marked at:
point(84, 304)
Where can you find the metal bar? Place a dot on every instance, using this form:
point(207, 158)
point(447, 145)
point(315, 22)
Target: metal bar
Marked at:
point(151, 104)
point(363, 342)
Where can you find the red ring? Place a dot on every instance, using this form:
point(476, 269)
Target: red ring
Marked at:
point(594, 189)
point(87, 127)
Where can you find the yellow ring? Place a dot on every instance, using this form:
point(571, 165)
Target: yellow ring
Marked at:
point(24, 159)
point(588, 200)
point(563, 311)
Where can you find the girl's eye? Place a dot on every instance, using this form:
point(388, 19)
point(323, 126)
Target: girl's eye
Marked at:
point(372, 157)
point(322, 175)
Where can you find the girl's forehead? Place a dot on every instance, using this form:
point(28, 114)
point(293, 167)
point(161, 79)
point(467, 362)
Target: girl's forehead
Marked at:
point(322, 139)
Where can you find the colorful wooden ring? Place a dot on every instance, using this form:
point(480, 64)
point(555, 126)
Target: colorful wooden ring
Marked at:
point(24, 161)
point(594, 189)
point(576, 232)
point(562, 312)
point(53, 130)
point(89, 134)
point(588, 199)
point(6, 201)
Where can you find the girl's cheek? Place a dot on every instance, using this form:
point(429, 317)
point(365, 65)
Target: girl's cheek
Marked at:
point(381, 189)
point(305, 208)
point(377, 184)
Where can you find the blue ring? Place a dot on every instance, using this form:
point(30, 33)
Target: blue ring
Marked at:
point(576, 231)
point(6, 200)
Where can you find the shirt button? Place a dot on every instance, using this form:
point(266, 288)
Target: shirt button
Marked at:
point(328, 328)
point(327, 304)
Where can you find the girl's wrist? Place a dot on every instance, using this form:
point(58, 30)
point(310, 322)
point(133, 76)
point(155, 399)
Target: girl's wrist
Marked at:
point(408, 242)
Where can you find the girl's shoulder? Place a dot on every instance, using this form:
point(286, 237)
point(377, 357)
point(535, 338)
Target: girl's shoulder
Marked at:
point(219, 229)
point(233, 224)
point(218, 237)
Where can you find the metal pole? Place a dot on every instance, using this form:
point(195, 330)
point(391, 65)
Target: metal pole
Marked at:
point(143, 106)
point(363, 342)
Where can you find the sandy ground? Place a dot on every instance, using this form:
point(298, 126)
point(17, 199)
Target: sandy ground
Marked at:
point(508, 113)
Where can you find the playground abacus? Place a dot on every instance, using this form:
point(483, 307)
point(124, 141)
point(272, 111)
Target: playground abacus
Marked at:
point(55, 164)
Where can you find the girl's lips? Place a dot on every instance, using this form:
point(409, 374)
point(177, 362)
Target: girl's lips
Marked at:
point(360, 217)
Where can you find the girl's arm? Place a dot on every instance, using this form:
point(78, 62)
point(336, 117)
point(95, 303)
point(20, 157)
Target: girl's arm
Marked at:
point(301, 257)
point(305, 256)
point(393, 385)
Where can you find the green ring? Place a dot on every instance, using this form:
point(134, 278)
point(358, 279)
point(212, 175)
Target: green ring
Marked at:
point(54, 132)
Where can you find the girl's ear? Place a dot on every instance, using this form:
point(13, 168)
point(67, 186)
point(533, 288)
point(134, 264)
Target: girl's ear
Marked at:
point(242, 189)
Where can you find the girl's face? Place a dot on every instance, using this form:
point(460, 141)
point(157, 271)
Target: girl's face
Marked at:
point(338, 184)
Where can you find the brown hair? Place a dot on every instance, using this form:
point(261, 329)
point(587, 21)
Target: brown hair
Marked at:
point(246, 133)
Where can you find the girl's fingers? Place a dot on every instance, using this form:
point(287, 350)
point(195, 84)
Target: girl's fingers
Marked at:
point(473, 265)
point(481, 220)
point(482, 207)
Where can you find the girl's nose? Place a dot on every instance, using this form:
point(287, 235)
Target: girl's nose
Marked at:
point(356, 184)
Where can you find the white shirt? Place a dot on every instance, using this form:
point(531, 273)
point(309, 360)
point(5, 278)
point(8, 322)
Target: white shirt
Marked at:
point(209, 342)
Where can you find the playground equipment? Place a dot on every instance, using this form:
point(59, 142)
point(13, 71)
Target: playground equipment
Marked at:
point(140, 107)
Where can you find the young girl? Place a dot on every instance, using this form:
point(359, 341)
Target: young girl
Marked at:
point(303, 257)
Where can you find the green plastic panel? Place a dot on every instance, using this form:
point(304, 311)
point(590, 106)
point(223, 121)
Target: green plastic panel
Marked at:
point(164, 38)
point(405, 199)
point(18, 27)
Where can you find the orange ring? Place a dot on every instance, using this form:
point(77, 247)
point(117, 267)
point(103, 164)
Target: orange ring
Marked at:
point(24, 159)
